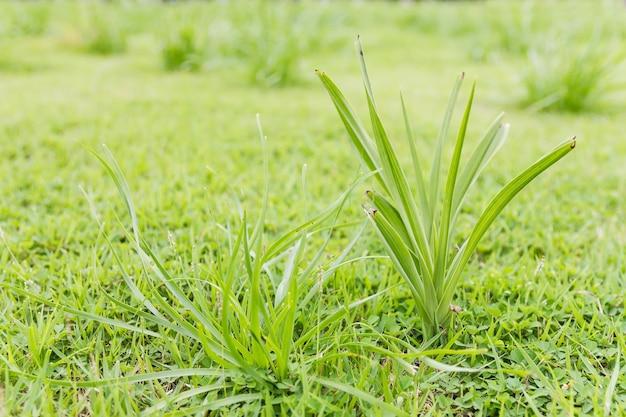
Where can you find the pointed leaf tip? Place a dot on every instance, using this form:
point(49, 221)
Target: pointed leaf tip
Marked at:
point(573, 143)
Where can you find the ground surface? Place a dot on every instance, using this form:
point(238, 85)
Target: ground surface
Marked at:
point(542, 303)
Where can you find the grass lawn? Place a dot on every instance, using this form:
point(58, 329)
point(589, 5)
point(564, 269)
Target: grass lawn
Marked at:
point(235, 304)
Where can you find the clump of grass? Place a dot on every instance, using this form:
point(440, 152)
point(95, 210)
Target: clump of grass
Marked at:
point(512, 33)
point(243, 311)
point(26, 19)
point(102, 34)
point(246, 314)
point(415, 218)
point(564, 75)
point(182, 51)
point(272, 42)
point(266, 41)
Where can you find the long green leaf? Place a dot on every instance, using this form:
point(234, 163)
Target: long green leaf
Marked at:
point(400, 190)
point(290, 273)
point(405, 263)
point(287, 325)
point(256, 237)
point(143, 377)
point(362, 395)
point(491, 212)
point(357, 134)
point(190, 393)
point(610, 389)
point(443, 244)
point(366, 78)
point(388, 210)
point(417, 167)
point(435, 171)
point(491, 142)
point(116, 174)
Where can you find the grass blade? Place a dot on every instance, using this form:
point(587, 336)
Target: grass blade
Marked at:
point(357, 134)
point(491, 142)
point(610, 389)
point(255, 239)
point(417, 167)
point(441, 259)
point(445, 367)
point(116, 174)
point(494, 208)
point(361, 395)
point(435, 172)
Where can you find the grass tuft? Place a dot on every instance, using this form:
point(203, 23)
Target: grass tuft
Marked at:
point(102, 33)
point(243, 308)
point(18, 20)
point(563, 76)
point(183, 50)
point(416, 228)
point(272, 44)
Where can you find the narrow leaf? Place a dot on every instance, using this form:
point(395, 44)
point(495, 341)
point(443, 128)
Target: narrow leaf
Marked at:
point(494, 208)
point(610, 389)
point(435, 172)
point(491, 142)
point(362, 395)
point(417, 167)
point(359, 138)
point(443, 248)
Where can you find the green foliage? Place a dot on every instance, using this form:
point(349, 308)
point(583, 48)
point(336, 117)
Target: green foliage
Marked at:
point(20, 20)
point(182, 50)
point(273, 40)
point(246, 312)
point(564, 76)
point(541, 303)
point(417, 228)
point(102, 32)
point(266, 40)
point(244, 306)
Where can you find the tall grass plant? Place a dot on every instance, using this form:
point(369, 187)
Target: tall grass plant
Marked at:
point(415, 217)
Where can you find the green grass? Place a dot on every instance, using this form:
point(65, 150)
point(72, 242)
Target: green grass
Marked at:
point(181, 51)
point(565, 76)
point(541, 301)
point(416, 227)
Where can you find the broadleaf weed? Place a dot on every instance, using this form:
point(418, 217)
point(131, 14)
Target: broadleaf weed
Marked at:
point(417, 229)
